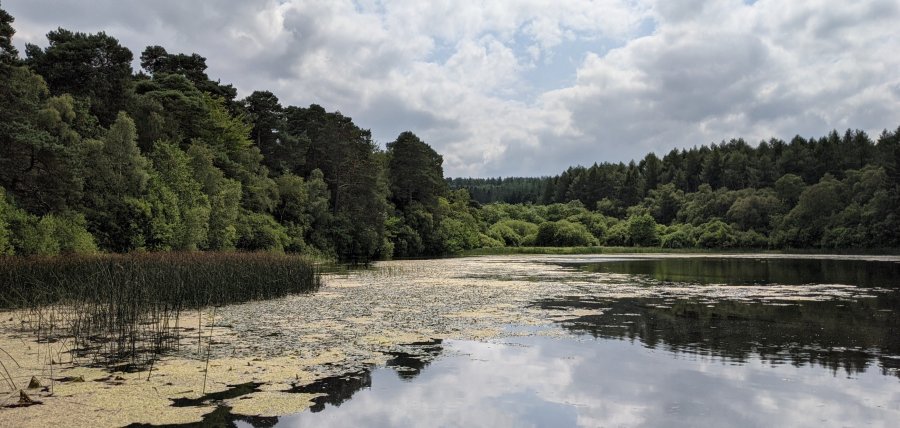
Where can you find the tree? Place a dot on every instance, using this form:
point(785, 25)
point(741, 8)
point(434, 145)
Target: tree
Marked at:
point(354, 171)
point(192, 208)
point(282, 151)
point(93, 66)
point(115, 186)
point(157, 61)
point(664, 203)
point(651, 168)
point(788, 188)
point(38, 149)
point(416, 172)
point(8, 53)
point(642, 231)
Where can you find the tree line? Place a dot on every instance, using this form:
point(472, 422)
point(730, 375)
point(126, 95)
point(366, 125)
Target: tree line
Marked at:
point(95, 156)
point(836, 191)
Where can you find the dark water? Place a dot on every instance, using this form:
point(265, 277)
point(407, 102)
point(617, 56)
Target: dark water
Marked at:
point(662, 360)
point(863, 273)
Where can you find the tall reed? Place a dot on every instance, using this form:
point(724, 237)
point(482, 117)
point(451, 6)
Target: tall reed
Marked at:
point(125, 309)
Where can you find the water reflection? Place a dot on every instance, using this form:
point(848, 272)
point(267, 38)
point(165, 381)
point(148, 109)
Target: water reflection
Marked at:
point(743, 270)
point(834, 334)
point(409, 363)
point(334, 390)
point(652, 342)
point(555, 382)
point(845, 333)
point(672, 355)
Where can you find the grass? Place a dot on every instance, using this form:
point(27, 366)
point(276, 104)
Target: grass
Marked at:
point(125, 309)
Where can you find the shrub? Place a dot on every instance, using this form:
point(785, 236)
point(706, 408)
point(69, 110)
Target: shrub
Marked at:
point(617, 234)
point(678, 236)
point(564, 233)
point(642, 230)
point(512, 232)
point(716, 234)
point(260, 232)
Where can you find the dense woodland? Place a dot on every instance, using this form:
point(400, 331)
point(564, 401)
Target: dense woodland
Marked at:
point(95, 156)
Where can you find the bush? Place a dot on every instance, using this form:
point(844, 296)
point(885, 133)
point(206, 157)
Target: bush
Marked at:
point(751, 239)
point(678, 236)
point(486, 241)
point(458, 235)
point(260, 232)
point(642, 230)
point(564, 233)
point(617, 234)
point(70, 233)
point(716, 234)
point(512, 232)
point(595, 223)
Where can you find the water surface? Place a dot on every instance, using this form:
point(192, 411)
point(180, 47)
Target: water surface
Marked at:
point(705, 341)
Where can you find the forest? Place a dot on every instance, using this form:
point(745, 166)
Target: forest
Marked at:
point(98, 157)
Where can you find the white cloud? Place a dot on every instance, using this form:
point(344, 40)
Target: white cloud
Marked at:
point(456, 72)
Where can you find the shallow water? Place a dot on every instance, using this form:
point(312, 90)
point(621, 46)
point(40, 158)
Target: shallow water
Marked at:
point(636, 340)
point(554, 382)
point(667, 342)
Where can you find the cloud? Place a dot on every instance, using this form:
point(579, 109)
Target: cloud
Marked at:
point(563, 382)
point(647, 76)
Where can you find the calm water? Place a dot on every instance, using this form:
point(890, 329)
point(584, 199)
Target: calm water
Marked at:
point(753, 342)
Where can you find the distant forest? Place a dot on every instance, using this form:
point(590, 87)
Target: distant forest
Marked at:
point(837, 191)
point(98, 157)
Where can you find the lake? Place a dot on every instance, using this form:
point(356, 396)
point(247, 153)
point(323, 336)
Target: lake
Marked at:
point(711, 342)
point(628, 340)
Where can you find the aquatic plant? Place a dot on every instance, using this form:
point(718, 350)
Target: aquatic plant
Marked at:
point(127, 308)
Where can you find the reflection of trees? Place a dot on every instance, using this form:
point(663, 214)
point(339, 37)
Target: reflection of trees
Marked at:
point(409, 364)
point(847, 335)
point(220, 417)
point(337, 389)
point(747, 271)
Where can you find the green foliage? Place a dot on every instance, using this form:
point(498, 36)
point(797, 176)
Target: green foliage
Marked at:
point(715, 234)
point(115, 186)
point(179, 196)
point(90, 66)
point(617, 234)
point(8, 53)
point(595, 223)
point(458, 228)
point(256, 231)
point(754, 211)
point(31, 235)
point(25, 234)
point(416, 172)
point(564, 233)
point(642, 231)
point(94, 158)
point(664, 202)
point(5, 210)
point(678, 236)
point(788, 188)
point(512, 233)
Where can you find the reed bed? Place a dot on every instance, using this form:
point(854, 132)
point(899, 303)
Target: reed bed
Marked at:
point(125, 309)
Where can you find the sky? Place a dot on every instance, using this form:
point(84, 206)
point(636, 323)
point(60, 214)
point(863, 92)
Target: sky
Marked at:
point(531, 87)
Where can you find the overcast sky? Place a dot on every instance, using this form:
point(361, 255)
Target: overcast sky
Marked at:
point(530, 87)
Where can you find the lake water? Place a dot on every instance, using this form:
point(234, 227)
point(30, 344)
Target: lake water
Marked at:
point(670, 341)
